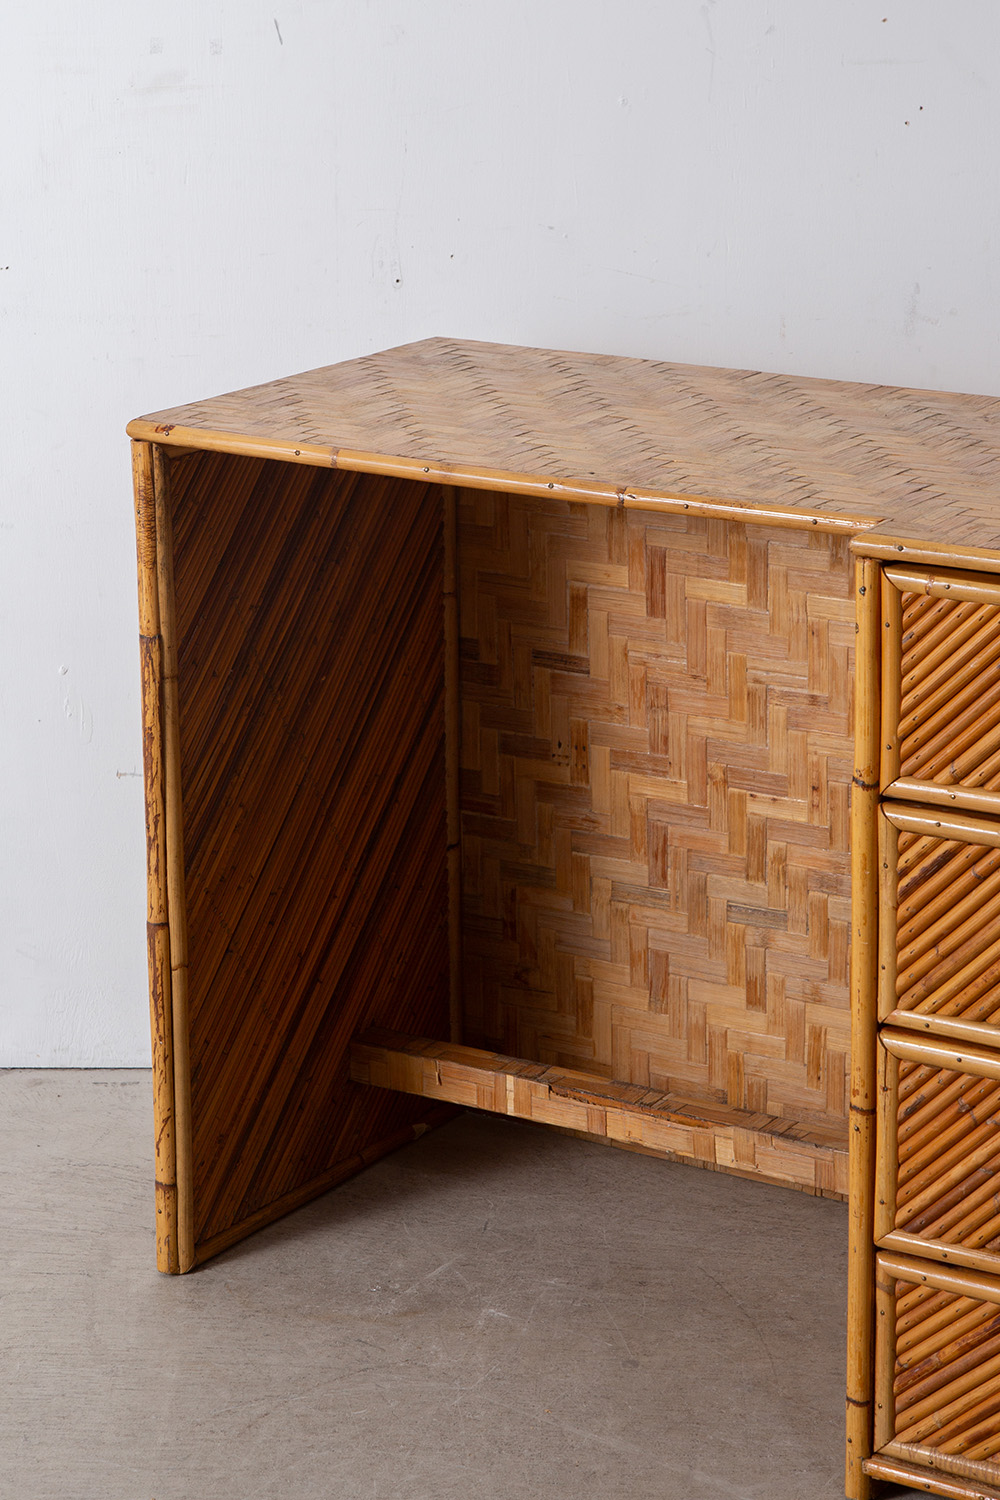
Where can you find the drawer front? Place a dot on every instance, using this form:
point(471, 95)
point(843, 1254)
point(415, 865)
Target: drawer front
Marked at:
point(938, 1368)
point(949, 692)
point(941, 687)
point(940, 922)
point(939, 1151)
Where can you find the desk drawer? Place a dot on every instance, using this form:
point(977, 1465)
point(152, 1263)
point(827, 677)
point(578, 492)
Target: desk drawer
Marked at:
point(939, 924)
point(937, 1400)
point(941, 705)
point(938, 1193)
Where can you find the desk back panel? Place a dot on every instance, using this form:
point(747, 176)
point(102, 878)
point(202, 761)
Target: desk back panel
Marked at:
point(309, 627)
point(657, 758)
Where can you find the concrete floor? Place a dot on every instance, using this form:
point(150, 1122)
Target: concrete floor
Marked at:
point(496, 1312)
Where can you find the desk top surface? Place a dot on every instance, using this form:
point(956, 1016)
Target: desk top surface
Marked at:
point(904, 470)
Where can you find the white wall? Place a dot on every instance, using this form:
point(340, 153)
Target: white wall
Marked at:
point(197, 196)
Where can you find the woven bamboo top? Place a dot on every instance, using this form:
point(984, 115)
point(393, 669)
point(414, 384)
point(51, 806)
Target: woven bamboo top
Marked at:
point(924, 464)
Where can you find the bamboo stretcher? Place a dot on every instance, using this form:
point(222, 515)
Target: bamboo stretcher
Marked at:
point(611, 744)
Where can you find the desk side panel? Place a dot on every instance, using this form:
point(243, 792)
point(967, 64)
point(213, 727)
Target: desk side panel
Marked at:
point(309, 624)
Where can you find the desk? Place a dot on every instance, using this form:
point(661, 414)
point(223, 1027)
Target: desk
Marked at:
point(612, 744)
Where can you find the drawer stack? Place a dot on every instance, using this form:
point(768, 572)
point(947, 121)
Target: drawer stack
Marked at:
point(936, 1216)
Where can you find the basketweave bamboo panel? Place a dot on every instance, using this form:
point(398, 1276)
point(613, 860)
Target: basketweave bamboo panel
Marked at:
point(946, 962)
point(926, 461)
point(940, 1350)
point(947, 1150)
point(309, 616)
point(949, 723)
point(656, 764)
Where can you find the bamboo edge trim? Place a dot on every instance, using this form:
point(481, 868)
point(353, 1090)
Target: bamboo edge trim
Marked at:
point(157, 897)
point(931, 554)
point(511, 482)
point(978, 1475)
point(980, 1061)
point(885, 1358)
point(905, 1267)
point(892, 676)
point(947, 825)
point(941, 1252)
point(967, 799)
point(896, 1471)
point(174, 853)
point(946, 1028)
point(951, 583)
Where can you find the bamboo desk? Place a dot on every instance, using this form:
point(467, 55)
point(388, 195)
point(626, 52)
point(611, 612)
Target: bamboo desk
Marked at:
point(498, 751)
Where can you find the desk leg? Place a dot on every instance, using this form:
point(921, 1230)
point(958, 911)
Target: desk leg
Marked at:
point(864, 984)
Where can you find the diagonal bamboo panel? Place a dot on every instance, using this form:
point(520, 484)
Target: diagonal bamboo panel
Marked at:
point(310, 684)
point(939, 1340)
point(657, 755)
point(949, 705)
point(940, 1126)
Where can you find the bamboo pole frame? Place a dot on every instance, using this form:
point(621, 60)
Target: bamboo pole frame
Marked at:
point(892, 674)
point(509, 481)
point(947, 1028)
point(962, 798)
point(947, 583)
point(880, 546)
point(939, 1252)
point(157, 896)
point(888, 881)
point(943, 825)
point(174, 848)
point(937, 1054)
point(886, 1156)
point(917, 1476)
point(864, 1010)
point(885, 1328)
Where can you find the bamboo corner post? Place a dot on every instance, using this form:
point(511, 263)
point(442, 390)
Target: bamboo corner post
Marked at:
point(864, 1001)
point(157, 927)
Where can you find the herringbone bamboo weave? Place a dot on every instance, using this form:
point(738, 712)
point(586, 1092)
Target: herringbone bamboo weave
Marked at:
point(310, 665)
point(927, 463)
point(657, 756)
point(943, 1409)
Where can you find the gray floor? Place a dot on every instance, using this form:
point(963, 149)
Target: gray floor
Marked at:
point(498, 1311)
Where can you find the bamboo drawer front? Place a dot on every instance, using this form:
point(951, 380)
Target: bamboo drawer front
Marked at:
point(939, 1374)
point(939, 1141)
point(608, 743)
point(940, 949)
